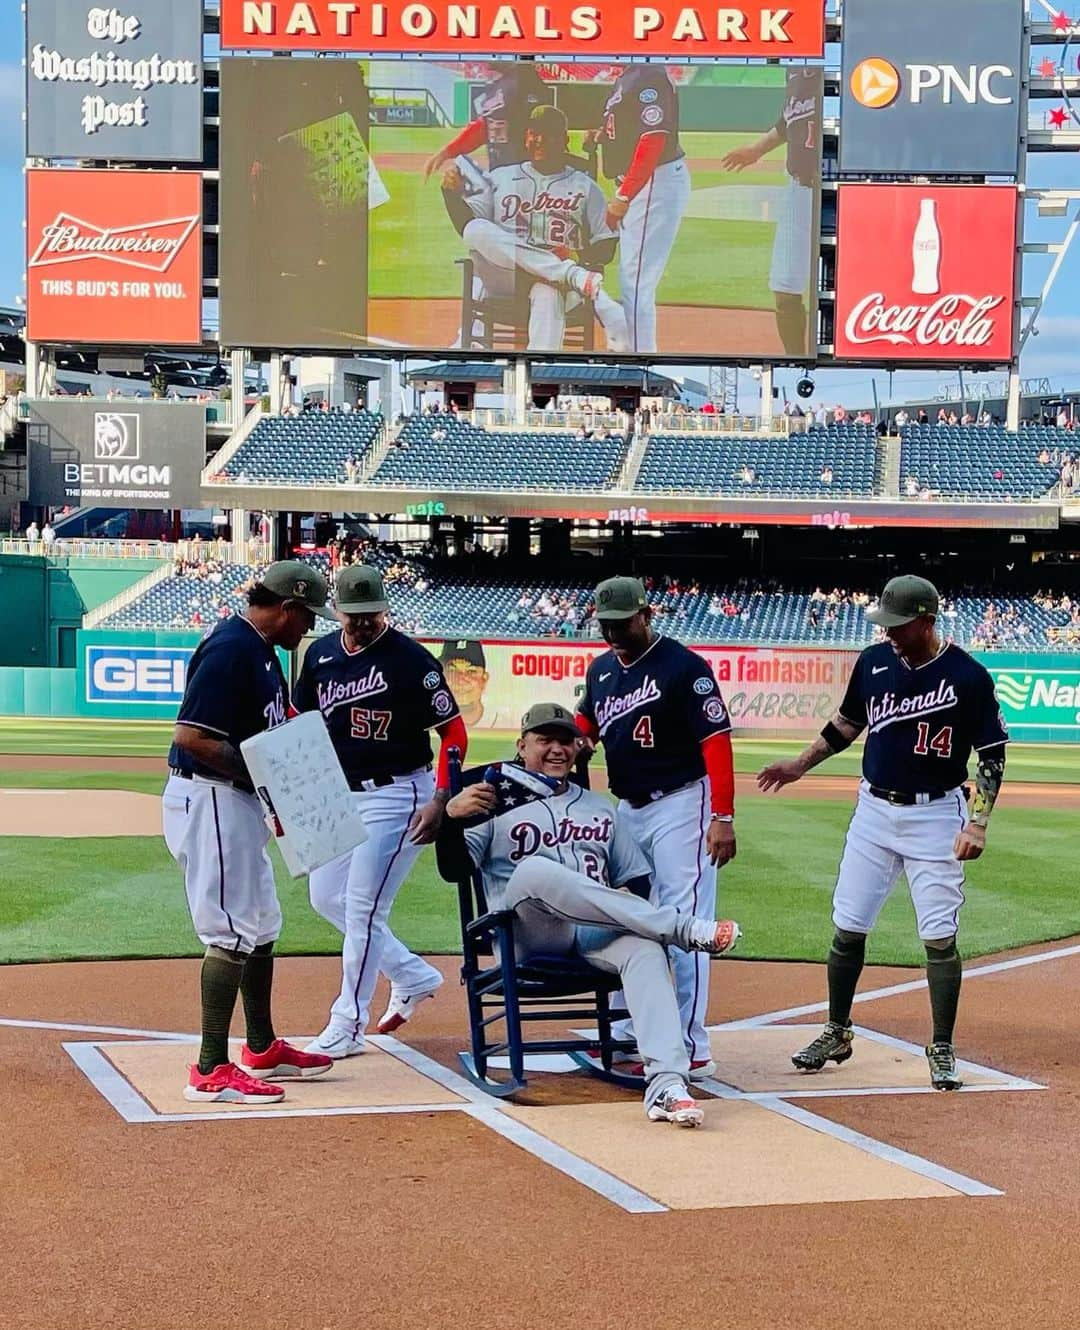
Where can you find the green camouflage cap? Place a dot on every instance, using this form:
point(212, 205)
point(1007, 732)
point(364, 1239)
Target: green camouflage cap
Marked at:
point(620, 598)
point(292, 580)
point(359, 590)
point(903, 600)
point(549, 716)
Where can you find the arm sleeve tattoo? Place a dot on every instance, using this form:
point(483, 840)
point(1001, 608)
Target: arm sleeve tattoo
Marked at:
point(988, 778)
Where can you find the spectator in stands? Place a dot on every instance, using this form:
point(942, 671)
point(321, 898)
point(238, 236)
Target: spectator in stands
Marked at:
point(942, 416)
point(985, 418)
point(48, 535)
point(952, 418)
point(438, 434)
point(967, 419)
point(821, 414)
point(1062, 419)
point(901, 418)
point(747, 475)
point(831, 617)
point(922, 417)
point(826, 476)
point(839, 415)
point(911, 486)
point(812, 615)
point(1044, 455)
point(817, 595)
point(998, 473)
point(33, 533)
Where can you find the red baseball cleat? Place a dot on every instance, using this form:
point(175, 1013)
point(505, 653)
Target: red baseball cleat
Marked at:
point(227, 1084)
point(282, 1061)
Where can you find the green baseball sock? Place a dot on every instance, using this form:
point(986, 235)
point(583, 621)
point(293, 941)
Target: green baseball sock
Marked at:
point(943, 976)
point(846, 958)
point(218, 983)
point(255, 989)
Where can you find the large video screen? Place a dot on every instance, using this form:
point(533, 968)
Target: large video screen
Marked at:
point(630, 210)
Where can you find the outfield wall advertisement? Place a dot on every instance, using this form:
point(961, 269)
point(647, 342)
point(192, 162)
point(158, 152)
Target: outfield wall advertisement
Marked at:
point(1039, 695)
point(662, 28)
point(627, 209)
point(780, 689)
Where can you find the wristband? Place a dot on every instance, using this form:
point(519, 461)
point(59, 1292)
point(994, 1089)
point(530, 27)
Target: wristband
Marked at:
point(836, 741)
point(722, 817)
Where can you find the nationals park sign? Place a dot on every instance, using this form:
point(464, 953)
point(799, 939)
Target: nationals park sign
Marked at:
point(487, 27)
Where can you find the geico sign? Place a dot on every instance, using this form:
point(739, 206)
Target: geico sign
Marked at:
point(122, 675)
point(877, 83)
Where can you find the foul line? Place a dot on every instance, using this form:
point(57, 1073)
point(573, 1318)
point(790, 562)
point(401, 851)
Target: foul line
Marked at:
point(67, 1027)
point(895, 990)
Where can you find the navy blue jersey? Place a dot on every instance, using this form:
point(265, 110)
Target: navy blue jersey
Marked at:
point(643, 101)
point(653, 716)
point(235, 688)
point(800, 123)
point(505, 107)
point(921, 724)
point(378, 702)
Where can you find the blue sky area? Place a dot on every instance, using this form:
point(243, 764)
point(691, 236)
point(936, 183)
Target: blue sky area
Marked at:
point(1055, 353)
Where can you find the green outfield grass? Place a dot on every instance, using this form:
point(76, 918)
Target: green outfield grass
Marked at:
point(413, 245)
point(123, 897)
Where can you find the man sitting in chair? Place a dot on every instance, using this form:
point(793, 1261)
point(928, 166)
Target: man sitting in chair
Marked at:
point(525, 222)
point(552, 852)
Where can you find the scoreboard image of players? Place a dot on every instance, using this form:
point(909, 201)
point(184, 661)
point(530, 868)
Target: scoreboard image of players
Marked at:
point(629, 209)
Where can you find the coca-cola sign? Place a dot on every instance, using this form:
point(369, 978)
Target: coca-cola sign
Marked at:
point(114, 81)
point(926, 273)
point(114, 256)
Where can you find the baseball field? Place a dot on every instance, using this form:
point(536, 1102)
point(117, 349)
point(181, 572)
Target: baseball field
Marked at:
point(84, 873)
point(415, 281)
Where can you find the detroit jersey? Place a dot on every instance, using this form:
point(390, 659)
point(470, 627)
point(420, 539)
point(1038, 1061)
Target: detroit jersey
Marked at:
point(565, 209)
point(921, 724)
point(652, 717)
point(643, 101)
point(235, 689)
point(378, 702)
point(505, 108)
point(800, 124)
point(578, 829)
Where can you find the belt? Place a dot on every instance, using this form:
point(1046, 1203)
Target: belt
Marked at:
point(646, 799)
point(381, 782)
point(902, 800)
point(208, 780)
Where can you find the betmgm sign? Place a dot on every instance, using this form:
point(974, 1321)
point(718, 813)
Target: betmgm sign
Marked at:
point(127, 455)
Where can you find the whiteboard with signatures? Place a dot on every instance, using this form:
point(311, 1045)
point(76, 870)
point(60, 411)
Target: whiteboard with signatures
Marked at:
point(305, 796)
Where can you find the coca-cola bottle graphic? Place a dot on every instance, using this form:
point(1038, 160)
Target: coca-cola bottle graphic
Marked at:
point(926, 251)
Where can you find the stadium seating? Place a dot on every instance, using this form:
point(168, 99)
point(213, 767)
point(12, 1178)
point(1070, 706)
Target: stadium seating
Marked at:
point(675, 463)
point(443, 452)
point(307, 449)
point(981, 461)
point(491, 606)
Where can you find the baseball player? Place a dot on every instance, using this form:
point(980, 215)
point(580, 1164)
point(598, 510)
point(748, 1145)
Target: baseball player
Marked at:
point(655, 707)
point(379, 693)
point(924, 705)
point(502, 112)
point(215, 830)
point(526, 222)
point(641, 152)
point(551, 852)
point(799, 127)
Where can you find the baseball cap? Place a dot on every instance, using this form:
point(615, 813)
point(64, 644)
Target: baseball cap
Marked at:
point(549, 716)
point(292, 580)
point(620, 598)
point(548, 120)
point(359, 590)
point(904, 599)
point(471, 651)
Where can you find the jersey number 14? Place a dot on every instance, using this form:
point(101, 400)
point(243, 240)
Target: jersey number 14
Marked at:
point(941, 743)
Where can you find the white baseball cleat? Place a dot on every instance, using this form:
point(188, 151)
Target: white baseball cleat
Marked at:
point(715, 937)
point(402, 1007)
point(337, 1044)
point(677, 1105)
point(613, 321)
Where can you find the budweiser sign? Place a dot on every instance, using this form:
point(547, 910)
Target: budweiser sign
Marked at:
point(926, 273)
point(98, 271)
point(149, 245)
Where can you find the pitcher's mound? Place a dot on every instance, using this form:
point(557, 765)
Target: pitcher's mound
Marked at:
point(79, 813)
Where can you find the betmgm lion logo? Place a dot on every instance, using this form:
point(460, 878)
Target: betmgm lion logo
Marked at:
point(116, 436)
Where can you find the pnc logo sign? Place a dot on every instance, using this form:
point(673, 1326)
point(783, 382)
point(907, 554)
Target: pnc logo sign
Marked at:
point(877, 83)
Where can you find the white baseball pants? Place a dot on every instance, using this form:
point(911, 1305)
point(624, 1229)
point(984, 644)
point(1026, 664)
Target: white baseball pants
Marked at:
point(356, 891)
point(646, 238)
point(671, 833)
point(561, 911)
point(789, 272)
point(218, 836)
point(883, 840)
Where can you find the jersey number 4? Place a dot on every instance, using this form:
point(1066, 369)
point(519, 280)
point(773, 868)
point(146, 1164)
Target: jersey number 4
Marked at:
point(369, 724)
point(941, 743)
point(643, 732)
